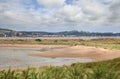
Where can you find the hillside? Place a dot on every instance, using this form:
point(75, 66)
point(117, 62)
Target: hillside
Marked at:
point(11, 33)
point(7, 32)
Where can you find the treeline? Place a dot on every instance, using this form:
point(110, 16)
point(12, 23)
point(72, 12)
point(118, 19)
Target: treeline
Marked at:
point(11, 33)
point(82, 33)
point(66, 34)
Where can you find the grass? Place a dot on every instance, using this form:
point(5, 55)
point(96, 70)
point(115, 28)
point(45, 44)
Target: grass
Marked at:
point(97, 70)
point(108, 43)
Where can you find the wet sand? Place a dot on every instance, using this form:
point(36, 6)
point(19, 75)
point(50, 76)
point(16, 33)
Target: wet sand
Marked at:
point(66, 51)
point(31, 46)
point(98, 54)
point(18, 56)
point(22, 55)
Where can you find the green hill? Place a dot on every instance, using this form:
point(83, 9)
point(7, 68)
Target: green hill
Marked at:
point(7, 32)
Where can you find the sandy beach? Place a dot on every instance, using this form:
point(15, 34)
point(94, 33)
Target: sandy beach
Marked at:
point(30, 45)
point(24, 55)
point(20, 56)
point(98, 54)
point(65, 51)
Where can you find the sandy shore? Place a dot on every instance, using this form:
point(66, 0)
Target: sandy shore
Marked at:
point(58, 51)
point(34, 46)
point(99, 54)
point(19, 56)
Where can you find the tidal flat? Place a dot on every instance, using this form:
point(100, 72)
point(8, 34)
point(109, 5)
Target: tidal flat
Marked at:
point(18, 57)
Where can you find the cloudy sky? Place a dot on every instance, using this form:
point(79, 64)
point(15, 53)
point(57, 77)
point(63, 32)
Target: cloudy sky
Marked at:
point(60, 15)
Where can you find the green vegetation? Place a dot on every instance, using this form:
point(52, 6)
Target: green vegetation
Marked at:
point(105, 43)
point(97, 70)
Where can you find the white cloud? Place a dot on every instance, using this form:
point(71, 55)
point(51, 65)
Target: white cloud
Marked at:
point(115, 12)
point(59, 14)
point(93, 7)
point(70, 13)
point(52, 3)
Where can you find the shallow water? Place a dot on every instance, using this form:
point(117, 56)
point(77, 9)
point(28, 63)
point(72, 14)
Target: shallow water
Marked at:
point(15, 57)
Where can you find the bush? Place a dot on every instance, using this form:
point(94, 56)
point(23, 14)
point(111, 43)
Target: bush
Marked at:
point(39, 40)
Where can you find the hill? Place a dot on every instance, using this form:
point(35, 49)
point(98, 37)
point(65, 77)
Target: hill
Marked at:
point(74, 33)
point(7, 32)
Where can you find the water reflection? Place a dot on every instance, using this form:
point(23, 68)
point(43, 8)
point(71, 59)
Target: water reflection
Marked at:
point(15, 57)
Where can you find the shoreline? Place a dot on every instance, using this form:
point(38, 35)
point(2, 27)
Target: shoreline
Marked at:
point(67, 51)
point(31, 45)
point(98, 54)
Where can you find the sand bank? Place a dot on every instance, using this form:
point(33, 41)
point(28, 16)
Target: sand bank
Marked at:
point(65, 51)
point(98, 54)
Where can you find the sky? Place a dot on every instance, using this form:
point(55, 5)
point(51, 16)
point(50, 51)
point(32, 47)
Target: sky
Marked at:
point(60, 15)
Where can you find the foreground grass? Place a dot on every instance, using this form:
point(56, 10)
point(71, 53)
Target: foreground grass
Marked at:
point(105, 43)
point(97, 70)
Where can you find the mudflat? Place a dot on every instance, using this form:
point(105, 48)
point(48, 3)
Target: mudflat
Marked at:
point(98, 54)
point(20, 56)
point(24, 55)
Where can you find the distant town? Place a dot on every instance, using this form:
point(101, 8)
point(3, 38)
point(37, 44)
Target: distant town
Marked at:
point(74, 33)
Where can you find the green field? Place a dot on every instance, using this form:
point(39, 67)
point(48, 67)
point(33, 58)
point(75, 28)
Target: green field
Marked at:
point(105, 43)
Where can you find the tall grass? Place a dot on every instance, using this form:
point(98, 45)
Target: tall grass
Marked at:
point(76, 71)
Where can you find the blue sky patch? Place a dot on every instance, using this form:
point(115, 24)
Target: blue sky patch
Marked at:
point(69, 1)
